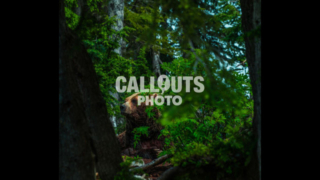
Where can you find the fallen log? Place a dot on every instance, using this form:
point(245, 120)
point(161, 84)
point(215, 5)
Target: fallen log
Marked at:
point(153, 163)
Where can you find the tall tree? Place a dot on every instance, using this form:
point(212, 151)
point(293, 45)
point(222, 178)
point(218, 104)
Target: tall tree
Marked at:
point(156, 62)
point(75, 150)
point(251, 24)
point(82, 110)
point(115, 8)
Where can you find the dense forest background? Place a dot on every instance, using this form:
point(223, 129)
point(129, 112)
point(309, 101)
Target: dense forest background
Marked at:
point(216, 133)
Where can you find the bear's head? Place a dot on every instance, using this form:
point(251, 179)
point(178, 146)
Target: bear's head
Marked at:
point(132, 110)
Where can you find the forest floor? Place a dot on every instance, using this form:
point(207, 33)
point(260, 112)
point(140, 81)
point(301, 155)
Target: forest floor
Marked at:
point(156, 171)
point(153, 173)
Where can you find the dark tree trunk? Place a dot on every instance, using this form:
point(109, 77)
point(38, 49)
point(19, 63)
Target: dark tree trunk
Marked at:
point(82, 110)
point(75, 150)
point(251, 21)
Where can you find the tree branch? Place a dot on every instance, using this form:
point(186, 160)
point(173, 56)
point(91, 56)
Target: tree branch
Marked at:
point(153, 163)
point(242, 63)
point(197, 59)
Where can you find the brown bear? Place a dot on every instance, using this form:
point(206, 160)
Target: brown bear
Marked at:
point(136, 116)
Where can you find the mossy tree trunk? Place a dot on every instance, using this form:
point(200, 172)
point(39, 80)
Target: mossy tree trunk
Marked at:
point(86, 136)
point(116, 8)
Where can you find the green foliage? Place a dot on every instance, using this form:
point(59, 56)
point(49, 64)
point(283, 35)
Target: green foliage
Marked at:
point(96, 37)
point(226, 140)
point(140, 67)
point(72, 18)
point(125, 166)
point(149, 111)
point(108, 66)
point(215, 126)
point(143, 130)
point(71, 3)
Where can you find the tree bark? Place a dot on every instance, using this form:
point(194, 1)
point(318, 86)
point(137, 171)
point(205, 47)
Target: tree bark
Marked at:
point(75, 151)
point(113, 118)
point(78, 10)
point(251, 20)
point(82, 110)
point(116, 8)
point(156, 62)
